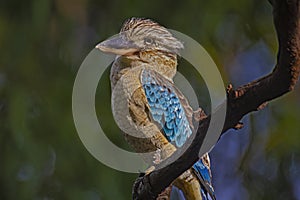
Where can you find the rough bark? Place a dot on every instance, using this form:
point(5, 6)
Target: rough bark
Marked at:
point(241, 101)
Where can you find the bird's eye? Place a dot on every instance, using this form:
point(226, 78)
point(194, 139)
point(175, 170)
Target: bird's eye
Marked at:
point(148, 41)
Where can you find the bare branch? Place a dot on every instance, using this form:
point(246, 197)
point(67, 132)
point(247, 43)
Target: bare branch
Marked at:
point(245, 99)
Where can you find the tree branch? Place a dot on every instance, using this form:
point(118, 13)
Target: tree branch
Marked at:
point(245, 99)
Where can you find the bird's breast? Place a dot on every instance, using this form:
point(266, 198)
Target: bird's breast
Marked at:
point(131, 113)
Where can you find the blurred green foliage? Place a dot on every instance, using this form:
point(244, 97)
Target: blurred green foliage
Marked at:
point(42, 44)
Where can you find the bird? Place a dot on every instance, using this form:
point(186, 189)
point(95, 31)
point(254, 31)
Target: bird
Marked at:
point(146, 58)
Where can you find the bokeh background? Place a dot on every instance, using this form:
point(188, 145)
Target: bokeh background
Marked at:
point(42, 44)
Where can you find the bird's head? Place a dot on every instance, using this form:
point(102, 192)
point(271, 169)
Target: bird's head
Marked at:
point(141, 35)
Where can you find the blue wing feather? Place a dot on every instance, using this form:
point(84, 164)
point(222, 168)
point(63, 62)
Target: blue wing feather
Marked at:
point(165, 107)
point(204, 172)
point(167, 111)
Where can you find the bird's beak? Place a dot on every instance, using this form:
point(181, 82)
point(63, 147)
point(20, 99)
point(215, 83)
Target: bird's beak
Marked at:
point(117, 45)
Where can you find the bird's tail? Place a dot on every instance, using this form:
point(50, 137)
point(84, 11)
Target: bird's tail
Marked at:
point(202, 170)
point(195, 183)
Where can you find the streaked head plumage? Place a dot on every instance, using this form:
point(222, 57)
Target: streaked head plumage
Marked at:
point(141, 34)
point(149, 35)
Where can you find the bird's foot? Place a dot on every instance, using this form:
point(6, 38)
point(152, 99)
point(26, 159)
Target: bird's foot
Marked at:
point(199, 114)
point(157, 157)
point(165, 195)
point(149, 170)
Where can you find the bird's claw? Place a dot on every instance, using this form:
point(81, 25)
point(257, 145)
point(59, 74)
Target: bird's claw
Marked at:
point(157, 157)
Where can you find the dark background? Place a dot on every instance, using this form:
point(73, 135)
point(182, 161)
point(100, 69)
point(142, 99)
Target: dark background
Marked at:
point(42, 44)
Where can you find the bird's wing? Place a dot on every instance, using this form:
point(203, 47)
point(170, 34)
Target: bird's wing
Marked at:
point(171, 111)
point(166, 107)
